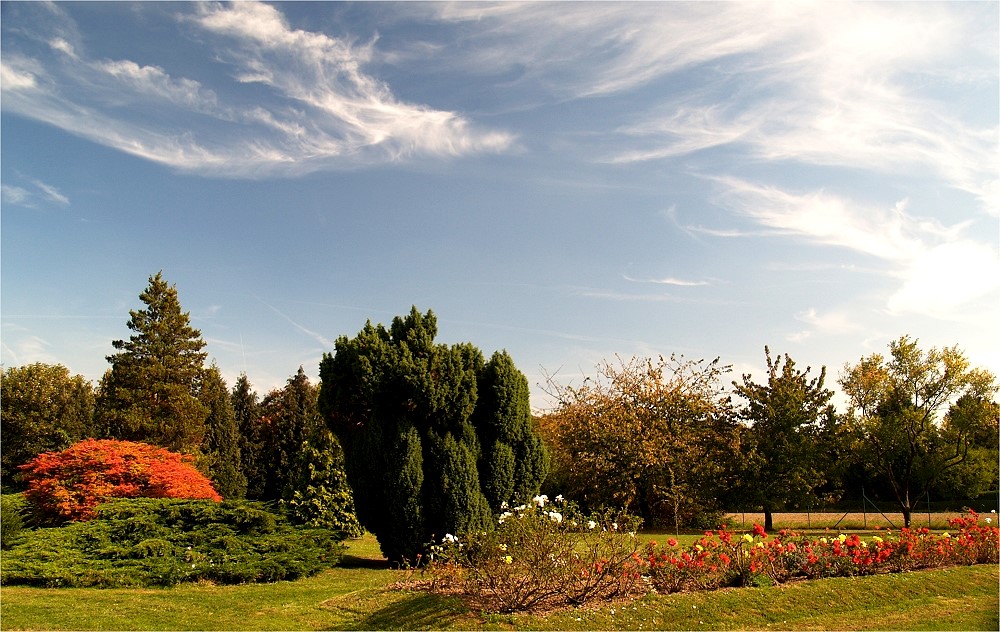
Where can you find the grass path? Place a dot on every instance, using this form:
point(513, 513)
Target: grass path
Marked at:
point(358, 596)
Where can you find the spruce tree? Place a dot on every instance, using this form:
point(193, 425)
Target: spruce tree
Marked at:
point(288, 417)
point(246, 409)
point(150, 393)
point(406, 412)
point(221, 444)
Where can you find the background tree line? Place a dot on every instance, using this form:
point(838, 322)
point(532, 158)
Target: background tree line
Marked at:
point(425, 439)
point(671, 442)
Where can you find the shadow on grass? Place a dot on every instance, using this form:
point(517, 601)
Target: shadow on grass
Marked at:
point(422, 611)
point(354, 561)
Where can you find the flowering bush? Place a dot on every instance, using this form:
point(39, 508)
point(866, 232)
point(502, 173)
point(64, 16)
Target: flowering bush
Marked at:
point(68, 485)
point(542, 554)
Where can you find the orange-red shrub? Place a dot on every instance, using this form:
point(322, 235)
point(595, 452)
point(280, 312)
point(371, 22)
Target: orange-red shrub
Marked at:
point(68, 485)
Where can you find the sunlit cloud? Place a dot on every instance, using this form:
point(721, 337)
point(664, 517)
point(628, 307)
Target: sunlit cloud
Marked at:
point(939, 268)
point(825, 324)
point(861, 86)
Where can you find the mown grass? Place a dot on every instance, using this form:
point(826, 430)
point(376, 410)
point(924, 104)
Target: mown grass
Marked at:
point(359, 596)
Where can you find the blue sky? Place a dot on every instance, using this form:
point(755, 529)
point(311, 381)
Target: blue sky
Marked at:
point(567, 181)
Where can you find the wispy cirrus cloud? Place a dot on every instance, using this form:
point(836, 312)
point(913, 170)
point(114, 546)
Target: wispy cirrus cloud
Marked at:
point(320, 109)
point(32, 193)
point(863, 86)
point(667, 281)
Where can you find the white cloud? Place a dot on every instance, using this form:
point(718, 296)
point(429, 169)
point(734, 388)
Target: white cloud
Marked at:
point(827, 324)
point(51, 193)
point(13, 78)
point(668, 281)
point(940, 270)
point(862, 86)
point(320, 110)
point(947, 276)
point(21, 196)
point(15, 195)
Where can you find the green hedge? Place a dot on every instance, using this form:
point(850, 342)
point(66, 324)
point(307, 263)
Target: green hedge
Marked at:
point(153, 542)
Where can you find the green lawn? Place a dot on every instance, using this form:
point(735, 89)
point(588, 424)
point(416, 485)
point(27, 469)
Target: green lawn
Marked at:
point(359, 595)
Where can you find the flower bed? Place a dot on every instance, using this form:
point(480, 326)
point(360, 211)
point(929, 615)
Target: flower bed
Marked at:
point(550, 556)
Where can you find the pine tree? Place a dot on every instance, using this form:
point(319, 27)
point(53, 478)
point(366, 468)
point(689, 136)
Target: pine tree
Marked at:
point(221, 443)
point(150, 393)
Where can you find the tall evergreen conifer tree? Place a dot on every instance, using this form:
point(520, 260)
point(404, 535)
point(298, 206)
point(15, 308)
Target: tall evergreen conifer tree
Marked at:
point(406, 412)
point(252, 436)
point(513, 463)
point(317, 494)
point(150, 393)
point(221, 444)
point(288, 417)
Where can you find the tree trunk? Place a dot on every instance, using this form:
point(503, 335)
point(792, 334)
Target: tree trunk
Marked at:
point(768, 519)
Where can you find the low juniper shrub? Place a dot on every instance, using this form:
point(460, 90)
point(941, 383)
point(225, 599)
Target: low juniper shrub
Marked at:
point(162, 542)
point(12, 519)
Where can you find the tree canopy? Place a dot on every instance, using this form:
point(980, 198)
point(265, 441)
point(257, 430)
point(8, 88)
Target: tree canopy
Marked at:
point(896, 407)
point(782, 445)
point(43, 408)
point(653, 436)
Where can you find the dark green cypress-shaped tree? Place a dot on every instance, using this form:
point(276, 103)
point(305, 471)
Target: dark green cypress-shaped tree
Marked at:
point(150, 393)
point(513, 463)
point(253, 436)
point(220, 447)
point(405, 411)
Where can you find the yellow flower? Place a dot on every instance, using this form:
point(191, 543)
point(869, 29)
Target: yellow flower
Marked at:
point(507, 559)
point(748, 537)
point(503, 547)
point(876, 539)
point(841, 537)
